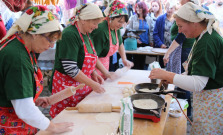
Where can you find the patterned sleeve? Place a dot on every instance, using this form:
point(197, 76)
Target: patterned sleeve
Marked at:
point(70, 67)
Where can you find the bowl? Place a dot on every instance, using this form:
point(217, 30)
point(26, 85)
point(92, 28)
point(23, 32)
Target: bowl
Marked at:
point(175, 112)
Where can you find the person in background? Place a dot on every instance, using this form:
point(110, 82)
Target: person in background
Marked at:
point(2, 28)
point(177, 54)
point(15, 5)
point(154, 12)
point(217, 9)
point(21, 79)
point(140, 21)
point(107, 38)
point(76, 58)
point(203, 69)
point(161, 33)
point(130, 7)
point(28, 4)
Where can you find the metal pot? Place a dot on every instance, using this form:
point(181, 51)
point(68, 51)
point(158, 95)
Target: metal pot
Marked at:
point(160, 101)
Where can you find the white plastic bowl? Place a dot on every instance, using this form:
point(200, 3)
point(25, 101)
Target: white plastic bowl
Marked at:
point(175, 113)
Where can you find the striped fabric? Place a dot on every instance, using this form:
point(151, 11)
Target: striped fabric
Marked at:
point(70, 67)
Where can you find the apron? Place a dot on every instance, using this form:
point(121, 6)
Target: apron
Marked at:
point(207, 107)
point(61, 81)
point(10, 123)
point(113, 48)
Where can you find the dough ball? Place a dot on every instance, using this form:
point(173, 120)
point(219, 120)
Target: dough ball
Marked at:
point(133, 90)
point(130, 92)
point(124, 91)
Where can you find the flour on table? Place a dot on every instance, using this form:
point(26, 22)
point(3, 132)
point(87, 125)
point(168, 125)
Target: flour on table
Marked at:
point(145, 104)
point(97, 130)
point(107, 117)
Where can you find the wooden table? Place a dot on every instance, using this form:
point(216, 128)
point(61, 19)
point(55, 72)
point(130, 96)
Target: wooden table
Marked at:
point(176, 126)
point(113, 95)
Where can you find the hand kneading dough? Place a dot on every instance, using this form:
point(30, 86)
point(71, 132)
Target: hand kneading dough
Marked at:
point(107, 117)
point(97, 130)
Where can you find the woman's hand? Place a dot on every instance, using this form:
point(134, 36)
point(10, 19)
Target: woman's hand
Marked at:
point(96, 77)
point(163, 46)
point(158, 73)
point(42, 102)
point(56, 128)
point(127, 63)
point(166, 59)
point(138, 41)
point(109, 75)
point(97, 88)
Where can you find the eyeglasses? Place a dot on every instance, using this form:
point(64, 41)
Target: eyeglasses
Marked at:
point(51, 42)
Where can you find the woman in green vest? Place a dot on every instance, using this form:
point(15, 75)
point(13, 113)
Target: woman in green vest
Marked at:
point(107, 38)
point(21, 79)
point(203, 69)
point(76, 58)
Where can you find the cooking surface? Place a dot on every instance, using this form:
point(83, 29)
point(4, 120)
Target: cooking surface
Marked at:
point(113, 95)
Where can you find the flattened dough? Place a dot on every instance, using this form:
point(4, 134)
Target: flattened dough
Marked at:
point(107, 117)
point(145, 104)
point(148, 90)
point(97, 130)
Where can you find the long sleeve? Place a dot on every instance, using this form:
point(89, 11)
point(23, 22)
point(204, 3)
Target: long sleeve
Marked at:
point(27, 111)
point(196, 83)
point(130, 25)
point(151, 24)
point(70, 67)
point(156, 37)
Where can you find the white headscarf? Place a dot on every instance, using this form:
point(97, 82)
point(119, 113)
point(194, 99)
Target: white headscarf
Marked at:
point(36, 20)
point(194, 13)
point(86, 11)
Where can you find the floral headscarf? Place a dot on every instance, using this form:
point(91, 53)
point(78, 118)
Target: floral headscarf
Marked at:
point(116, 8)
point(86, 11)
point(194, 13)
point(36, 20)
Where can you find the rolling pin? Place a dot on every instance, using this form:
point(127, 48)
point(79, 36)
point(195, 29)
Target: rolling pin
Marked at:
point(86, 108)
point(64, 94)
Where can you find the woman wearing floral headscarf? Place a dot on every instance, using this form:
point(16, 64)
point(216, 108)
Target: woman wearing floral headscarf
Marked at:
point(21, 79)
point(204, 69)
point(107, 37)
point(76, 58)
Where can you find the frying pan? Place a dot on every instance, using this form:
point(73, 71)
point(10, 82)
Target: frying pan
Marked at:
point(154, 86)
point(160, 101)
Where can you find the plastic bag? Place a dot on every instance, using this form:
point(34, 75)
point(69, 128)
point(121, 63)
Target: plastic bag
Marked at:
point(126, 117)
point(153, 65)
point(175, 110)
point(183, 103)
point(119, 72)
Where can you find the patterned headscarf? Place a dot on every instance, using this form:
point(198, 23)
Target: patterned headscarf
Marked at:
point(194, 13)
point(36, 20)
point(116, 8)
point(86, 11)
